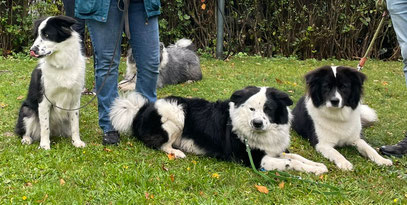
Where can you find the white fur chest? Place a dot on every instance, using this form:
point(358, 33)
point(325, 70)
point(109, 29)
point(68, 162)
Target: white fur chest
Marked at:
point(63, 81)
point(335, 126)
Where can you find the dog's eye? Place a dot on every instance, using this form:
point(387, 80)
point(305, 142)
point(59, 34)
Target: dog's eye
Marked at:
point(252, 109)
point(46, 35)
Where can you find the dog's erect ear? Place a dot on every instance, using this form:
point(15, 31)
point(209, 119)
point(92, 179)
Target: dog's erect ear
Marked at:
point(240, 96)
point(64, 21)
point(36, 25)
point(279, 95)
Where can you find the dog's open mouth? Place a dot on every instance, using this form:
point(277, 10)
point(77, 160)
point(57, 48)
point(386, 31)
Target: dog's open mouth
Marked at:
point(35, 55)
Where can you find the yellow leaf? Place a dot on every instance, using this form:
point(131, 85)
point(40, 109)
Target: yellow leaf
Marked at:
point(61, 182)
point(172, 177)
point(171, 156)
point(215, 175)
point(281, 185)
point(262, 189)
point(107, 149)
point(203, 7)
point(3, 105)
point(24, 197)
point(20, 97)
point(385, 83)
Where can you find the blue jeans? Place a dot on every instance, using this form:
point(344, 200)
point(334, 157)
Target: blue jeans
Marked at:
point(398, 13)
point(146, 51)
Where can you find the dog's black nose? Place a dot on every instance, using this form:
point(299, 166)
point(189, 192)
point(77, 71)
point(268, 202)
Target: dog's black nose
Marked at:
point(335, 102)
point(257, 123)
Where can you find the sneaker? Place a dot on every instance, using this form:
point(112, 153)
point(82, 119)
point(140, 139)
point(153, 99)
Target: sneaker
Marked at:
point(397, 150)
point(111, 138)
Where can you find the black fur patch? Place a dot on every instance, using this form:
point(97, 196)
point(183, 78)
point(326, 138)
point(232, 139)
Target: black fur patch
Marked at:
point(57, 29)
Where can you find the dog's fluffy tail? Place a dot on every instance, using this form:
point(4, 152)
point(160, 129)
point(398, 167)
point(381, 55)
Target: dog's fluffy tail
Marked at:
point(124, 109)
point(186, 43)
point(368, 116)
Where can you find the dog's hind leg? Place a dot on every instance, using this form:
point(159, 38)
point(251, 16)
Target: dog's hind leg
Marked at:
point(74, 120)
point(367, 151)
point(32, 130)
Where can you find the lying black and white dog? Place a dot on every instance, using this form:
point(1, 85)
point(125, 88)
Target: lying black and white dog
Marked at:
point(179, 63)
point(331, 114)
point(216, 129)
point(60, 75)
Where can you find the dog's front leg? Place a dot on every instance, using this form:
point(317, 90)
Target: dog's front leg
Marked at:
point(76, 139)
point(367, 151)
point(333, 155)
point(272, 163)
point(304, 160)
point(44, 114)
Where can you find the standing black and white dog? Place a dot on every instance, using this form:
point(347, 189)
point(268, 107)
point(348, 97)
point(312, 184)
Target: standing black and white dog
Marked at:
point(331, 114)
point(217, 129)
point(60, 75)
point(179, 63)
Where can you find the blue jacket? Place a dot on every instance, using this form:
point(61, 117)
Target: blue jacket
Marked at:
point(98, 9)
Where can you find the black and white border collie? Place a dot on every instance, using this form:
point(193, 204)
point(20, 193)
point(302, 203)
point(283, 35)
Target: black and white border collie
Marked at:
point(60, 75)
point(331, 114)
point(216, 129)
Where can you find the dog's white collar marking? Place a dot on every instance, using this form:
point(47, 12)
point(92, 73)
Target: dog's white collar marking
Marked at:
point(334, 70)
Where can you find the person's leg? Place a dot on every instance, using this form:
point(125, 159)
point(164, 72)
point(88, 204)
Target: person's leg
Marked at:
point(146, 49)
point(104, 37)
point(398, 13)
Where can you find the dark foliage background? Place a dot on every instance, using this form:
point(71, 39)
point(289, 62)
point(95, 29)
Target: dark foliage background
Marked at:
point(301, 28)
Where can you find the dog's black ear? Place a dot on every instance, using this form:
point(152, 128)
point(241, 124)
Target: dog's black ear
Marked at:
point(357, 80)
point(64, 21)
point(240, 96)
point(313, 80)
point(36, 25)
point(279, 95)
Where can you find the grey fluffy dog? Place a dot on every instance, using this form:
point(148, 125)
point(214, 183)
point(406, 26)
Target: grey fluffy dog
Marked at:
point(178, 63)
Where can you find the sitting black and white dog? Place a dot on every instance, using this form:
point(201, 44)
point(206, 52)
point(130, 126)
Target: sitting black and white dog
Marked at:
point(216, 129)
point(179, 63)
point(331, 114)
point(60, 75)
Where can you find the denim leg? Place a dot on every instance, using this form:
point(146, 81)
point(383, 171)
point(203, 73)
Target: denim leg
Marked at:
point(104, 37)
point(146, 49)
point(398, 13)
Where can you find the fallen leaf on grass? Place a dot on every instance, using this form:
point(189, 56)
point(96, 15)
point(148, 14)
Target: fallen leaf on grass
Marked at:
point(171, 156)
point(279, 81)
point(61, 182)
point(281, 185)
point(8, 134)
point(148, 196)
point(107, 149)
point(42, 200)
point(385, 83)
point(28, 184)
point(215, 175)
point(172, 177)
point(262, 189)
point(164, 168)
point(20, 97)
point(3, 105)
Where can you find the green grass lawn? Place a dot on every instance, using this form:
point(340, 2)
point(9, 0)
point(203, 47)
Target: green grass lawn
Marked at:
point(132, 173)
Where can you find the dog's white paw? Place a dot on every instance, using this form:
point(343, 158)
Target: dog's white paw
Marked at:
point(384, 161)
point(344, 165)
point(44, 146)
point(178, 153)
point(320, 170)
point(26, 140)
point(78, 143)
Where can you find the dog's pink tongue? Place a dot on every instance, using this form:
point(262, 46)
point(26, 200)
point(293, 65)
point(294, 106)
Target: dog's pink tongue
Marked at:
point(32, 53)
